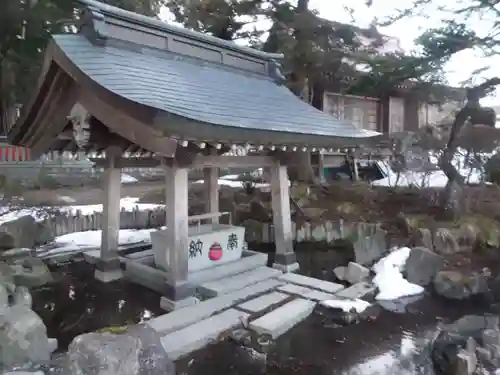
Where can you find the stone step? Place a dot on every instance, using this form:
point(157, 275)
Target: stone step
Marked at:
point(92, 256)
point(284, 318)
point(263, 302)
point(237, 282)
point(358, 290)
point(140, 254)
point(188, 315)
point(310, 282)
point(199, 335)
point(305, 292)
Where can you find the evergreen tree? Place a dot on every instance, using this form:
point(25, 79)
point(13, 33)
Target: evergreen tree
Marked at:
point(25, 29)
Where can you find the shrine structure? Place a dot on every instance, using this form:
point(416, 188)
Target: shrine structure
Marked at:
point(144, 93)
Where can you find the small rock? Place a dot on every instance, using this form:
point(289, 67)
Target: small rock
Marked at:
point(483, 354)
point(422, 237)
point(22, 296)
point(340, 272)
point(468, 236)
point(34, 273)
point(466, 363)
point(456, 285)
point(15, 253)
point(369, 242)
point(491, 338)
point(422, 266)
point(356, 273)
point(444, 242)
point(53, 344)
point(4, 299)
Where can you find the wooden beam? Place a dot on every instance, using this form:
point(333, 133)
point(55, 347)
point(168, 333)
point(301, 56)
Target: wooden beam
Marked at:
point(52, 120)
point(136, 162)
point(223, 161)
point(211, 185)
point(128, 127)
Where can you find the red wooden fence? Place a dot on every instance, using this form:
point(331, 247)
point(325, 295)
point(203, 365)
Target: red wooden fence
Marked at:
point(13, 153)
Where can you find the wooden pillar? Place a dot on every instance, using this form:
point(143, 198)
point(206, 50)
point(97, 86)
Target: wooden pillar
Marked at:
point(176, 200)
point(211, 179)
point(178, 292)
point(108, 267)
point(285, 258)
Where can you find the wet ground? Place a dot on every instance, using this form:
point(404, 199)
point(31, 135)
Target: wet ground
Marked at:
point(77, 304)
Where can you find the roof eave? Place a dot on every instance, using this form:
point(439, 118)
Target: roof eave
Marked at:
point(208, 132)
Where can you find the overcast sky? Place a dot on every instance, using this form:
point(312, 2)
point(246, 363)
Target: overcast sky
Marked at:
point(458, 70)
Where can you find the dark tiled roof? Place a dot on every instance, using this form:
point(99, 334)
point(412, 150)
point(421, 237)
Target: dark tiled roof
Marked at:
point(199, 90)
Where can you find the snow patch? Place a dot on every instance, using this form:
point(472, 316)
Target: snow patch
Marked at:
point(232, 182)
point(346, 304)
point(389, 278)
point(89, 241)
point(40, 213)
point(128, 179)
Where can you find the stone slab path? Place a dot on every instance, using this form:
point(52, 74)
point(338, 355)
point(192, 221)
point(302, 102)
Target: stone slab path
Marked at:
point(263, 300)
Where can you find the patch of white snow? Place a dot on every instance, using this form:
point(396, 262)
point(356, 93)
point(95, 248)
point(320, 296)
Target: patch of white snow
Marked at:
point(40, 213)
point(389, 278)
point(346, 304)
point(128, 179)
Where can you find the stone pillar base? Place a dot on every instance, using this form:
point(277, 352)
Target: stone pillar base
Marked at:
point(286, 262)
point(108, 270)
point(178, 296)
point(108, 276)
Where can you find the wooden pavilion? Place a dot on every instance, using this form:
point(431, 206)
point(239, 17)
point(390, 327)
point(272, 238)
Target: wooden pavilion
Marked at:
point(145, 93)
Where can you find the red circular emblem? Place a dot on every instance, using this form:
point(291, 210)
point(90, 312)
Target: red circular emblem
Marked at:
point(215, 252)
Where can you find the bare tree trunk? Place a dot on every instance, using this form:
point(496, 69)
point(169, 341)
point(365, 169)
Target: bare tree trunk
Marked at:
point(452, 198)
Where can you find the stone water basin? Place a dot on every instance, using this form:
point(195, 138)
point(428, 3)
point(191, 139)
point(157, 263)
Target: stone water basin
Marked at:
point(209, 245)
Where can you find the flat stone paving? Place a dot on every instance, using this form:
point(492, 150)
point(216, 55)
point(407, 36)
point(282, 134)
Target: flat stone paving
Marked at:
point(307, 293)
point(311, 282)
point(188, 315)
point(359, 290)
point(284, 318)
point(198, 335)
point(237, 282)
point(238, 297)
point(263, 302)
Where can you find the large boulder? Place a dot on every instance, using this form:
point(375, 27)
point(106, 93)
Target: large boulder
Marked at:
point(353, 273)
point(23, 338)
point(23, 232)
point(459, 340)
point(136, 351)
point(422, 266)
point(459, 285)
point(369, 242)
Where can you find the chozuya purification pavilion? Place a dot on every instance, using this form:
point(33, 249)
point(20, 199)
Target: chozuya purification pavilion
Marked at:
point(144, 93)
